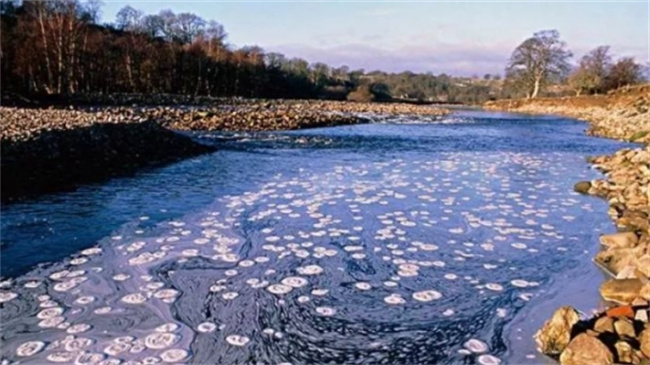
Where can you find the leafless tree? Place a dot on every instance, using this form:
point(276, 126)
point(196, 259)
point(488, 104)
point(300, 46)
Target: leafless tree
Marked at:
point(537, 61)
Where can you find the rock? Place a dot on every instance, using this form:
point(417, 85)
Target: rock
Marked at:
point(620, 311)
point(624, 351)
point(644, 341)
point(621, 239)
point(645, 291)
point(628, 272)
point(604, 324)
point(622, 291)
point(555, 335)
point(584, 350)
point(639, 302)
point(643, 265)
point(582, 187)
point(641, 315)
point(624, 328)
point(616, 259)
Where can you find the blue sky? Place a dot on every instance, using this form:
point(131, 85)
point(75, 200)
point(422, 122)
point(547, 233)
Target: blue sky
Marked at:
point(460, 38)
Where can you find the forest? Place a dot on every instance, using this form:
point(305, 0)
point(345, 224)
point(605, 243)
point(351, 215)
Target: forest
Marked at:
point(60, 48)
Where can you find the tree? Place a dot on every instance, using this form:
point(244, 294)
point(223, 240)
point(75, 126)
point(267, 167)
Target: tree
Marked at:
point(188, 27)
point(592, 70)
point(624, 72)
point(537, 61)
point(128, 18)
point(580, 80)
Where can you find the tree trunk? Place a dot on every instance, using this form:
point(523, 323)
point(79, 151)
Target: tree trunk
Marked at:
point(129, 72)
point(535, 88)
point(48, 64)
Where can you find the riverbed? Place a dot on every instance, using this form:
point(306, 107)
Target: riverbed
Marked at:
point(408, 240)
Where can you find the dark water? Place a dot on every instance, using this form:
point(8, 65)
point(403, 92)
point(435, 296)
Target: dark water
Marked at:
point(393, 242)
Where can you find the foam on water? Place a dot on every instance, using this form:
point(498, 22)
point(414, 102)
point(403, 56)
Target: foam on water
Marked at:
point(408, 258)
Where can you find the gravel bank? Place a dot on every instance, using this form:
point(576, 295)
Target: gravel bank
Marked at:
point(46, 149)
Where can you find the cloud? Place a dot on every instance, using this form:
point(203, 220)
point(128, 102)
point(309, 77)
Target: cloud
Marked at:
point(462, 60)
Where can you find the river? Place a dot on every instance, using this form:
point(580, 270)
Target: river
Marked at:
point(405, 241)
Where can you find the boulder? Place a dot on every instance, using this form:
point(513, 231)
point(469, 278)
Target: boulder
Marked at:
point(645, 291)
point(628, 272)
point(622, 291)
point(616, 259)
point(644, 341)
point(624, 328)
point(621, 311)
point(582, 187)
point(585, 349)
point(624, 351)
point(621, 239)
point(604, 324)
point(643, 265)
point(555, 335)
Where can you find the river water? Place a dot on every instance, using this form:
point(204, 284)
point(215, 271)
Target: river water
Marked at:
point(404, 241)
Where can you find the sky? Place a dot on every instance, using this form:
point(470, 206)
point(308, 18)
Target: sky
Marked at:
point(461, 38)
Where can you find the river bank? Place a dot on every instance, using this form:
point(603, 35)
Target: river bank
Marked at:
point(621, 334)
point(45, 150)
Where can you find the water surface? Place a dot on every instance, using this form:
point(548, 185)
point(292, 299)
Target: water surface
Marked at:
point(405, 241)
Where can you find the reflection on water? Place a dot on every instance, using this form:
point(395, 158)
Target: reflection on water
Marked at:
point(381, 243)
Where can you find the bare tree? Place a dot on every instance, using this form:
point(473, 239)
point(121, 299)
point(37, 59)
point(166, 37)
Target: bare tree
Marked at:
point(537, 61)
point(128, 18)
point(189, 26)
point(591, 72)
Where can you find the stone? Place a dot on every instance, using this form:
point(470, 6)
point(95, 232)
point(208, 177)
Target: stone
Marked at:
point(620, 311)
point(624, 328)
point(624, 351)
point(644, 293)
point(643, 265)
point(585, 349)
point(582, 187)
point(644, 341)
point(604, 324)
point(616, 259)
point(628, 272)
point(641, 315)
point(592, 333)
point(622, 291)
point(639, 302)
point(555, 335)
point(619, 240)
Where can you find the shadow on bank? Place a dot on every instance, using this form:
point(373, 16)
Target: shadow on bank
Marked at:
point(59, 160)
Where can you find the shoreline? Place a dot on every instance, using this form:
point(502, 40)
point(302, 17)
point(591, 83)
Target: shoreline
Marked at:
point(54, 149)
point(621, 333)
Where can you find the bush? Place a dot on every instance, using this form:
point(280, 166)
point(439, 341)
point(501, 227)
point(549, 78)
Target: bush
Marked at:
point(361, 94)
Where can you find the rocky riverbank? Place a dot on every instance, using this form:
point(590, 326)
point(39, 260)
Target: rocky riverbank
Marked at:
point(622, 114)
point(44, 149)
point(620, 334)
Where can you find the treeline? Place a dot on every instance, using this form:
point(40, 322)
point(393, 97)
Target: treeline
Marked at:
point(541, 65)
point(59, 48)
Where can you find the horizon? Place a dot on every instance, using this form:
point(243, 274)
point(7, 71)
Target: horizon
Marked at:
point(391, 37)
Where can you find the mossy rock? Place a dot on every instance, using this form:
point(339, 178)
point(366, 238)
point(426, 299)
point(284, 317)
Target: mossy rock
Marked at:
point(639, 135)
point(582, 187)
